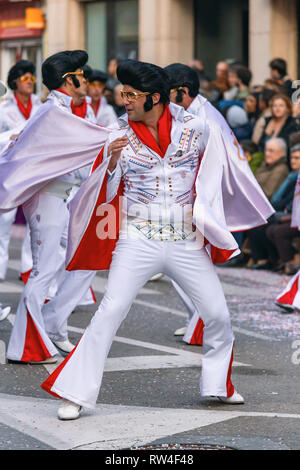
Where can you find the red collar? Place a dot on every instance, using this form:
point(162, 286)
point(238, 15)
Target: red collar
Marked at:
point(62, 91)
point(164, 133)
point(97, 107)
point(25, 110)
point(81, 110)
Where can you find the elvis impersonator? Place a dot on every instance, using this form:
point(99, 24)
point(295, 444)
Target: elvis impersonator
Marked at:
point(237, 176)
point(38, 171)
point(155, 203)
point(289, 298)
point(4, 311)
point(15, 111)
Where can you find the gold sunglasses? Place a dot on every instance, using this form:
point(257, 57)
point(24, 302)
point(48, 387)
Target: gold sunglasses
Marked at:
point(28, 78)
point(176, 89)
point(80, 73)
point(132, 95)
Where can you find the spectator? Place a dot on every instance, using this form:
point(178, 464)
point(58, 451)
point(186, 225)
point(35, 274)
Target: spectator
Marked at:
point(274, 169)
point(274, 85)
point(197, 65)
point(238, 121)
point(112, 66)
point(239, 79)
point(278, 69)
point(264, 106)
point(220, 85)
point(254, 156)
point(112, 80)
point(281, 123)
point(232, 92)
point(251, 106)
point(264, 252)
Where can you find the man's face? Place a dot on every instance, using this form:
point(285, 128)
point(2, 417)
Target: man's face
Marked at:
point(186, 100)
point(134, 103)
point(232, 79)
point(274, 74)
point(25, 84)
point(295, 160)
point(273, 152)
point(82, 90)
point(95, 90)
point(222, 70)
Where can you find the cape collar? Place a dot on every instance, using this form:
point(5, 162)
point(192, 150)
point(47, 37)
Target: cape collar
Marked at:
point(63, 98)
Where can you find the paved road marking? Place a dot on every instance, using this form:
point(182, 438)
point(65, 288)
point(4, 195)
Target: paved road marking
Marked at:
point(2, 352)
point(179, 357)
point(110, 426)
point(99, 284)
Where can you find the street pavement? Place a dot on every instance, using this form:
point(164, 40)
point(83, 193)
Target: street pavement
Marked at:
point(150, 391)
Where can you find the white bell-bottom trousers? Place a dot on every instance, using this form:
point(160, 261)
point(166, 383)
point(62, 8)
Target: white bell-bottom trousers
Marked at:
point(134, 262)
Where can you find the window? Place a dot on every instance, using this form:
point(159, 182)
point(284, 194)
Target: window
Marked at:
point(111, 31)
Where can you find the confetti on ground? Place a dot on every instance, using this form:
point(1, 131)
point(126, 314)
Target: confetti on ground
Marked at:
point(259, 313)
point(174, 446)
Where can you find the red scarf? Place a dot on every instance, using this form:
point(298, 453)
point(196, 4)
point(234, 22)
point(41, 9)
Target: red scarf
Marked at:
point(164, 133)
point(97, 108)
point(79, 111)
point(62, 91)
point(25, 110)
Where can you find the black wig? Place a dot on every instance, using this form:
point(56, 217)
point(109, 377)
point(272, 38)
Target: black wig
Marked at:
point(17, 70)
point(61, 63)
point(145, 77)
point(181, 75)
point(98, 76)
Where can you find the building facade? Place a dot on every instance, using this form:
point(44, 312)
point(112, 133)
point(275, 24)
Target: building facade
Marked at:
point(159, 31)
point(21, 34)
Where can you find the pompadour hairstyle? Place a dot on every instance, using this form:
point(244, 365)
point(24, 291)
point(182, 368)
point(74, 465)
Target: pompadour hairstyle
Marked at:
point(60, 63)
point(99, 76)
point(144, 76)
point(185, 76)
point(17, 70)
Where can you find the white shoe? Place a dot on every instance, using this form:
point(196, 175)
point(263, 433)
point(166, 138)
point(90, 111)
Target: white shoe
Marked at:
point(180, 331)
point(65, 346)
point(49, 360)
point(288, 308)
point(4, 312)
point(68, 410)
point(156, 277)
point(235, 399)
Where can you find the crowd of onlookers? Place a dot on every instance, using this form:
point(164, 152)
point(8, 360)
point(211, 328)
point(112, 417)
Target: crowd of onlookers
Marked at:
point(266, 120)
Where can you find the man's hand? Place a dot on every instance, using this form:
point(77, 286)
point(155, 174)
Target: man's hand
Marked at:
point(114, 151)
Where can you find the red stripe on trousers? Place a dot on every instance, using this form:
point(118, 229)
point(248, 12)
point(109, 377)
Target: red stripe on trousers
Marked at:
point(25, 276)
point(229, 386)
point(49, 382)
point(93, 295)
point(289, 296)
point(34, 348)
point(197, 337)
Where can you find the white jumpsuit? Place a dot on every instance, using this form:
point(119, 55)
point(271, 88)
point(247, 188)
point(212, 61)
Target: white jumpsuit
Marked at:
point(147, 246)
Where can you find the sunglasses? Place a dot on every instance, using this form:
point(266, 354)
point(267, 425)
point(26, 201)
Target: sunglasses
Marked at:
point(176, 89)
point(28, 78)
point(80, 74)
point(132, 95)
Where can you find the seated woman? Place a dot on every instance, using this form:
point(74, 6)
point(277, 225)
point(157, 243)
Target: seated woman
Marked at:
point(272, 244)
point(281, 123)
